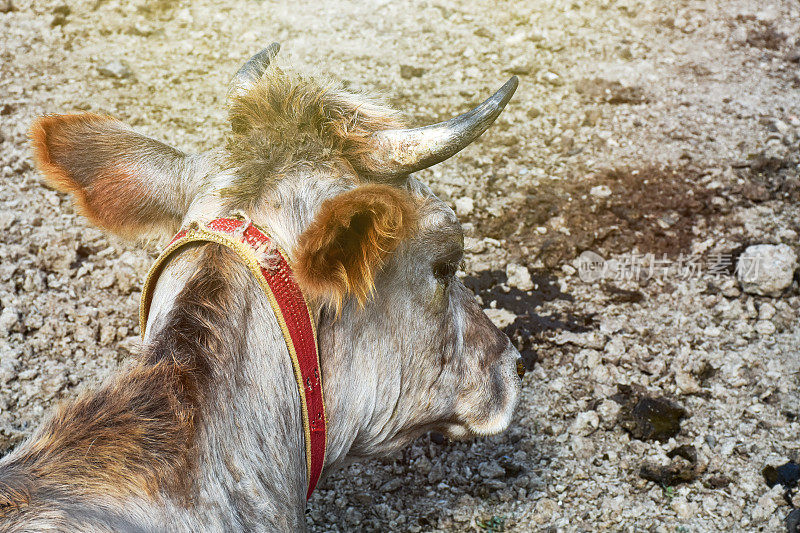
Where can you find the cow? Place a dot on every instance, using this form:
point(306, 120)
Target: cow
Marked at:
point(204, 429)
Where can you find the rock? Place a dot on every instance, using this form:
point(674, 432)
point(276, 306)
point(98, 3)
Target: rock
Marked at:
point(544, 511)
point(592, 117)
point(766, 269)
point(608, 411)
point(9, 320)
point(464, 206)
point(585, 423)
point(739, 35)
point(684, 509)
point(392, 485)
point(353, 516)
point(786, 475)
point(686, 382)
point(765, 328)
point(646, 417)
point(491, 470)
point(520, 66)
point(592, 339)
point(767, 504)
point(436, 474)
point(409, 71)
point(6, 6)
point(552, 78)
point(519, 277)
point(792, 521)
point(500, 317)
point(600, 191)
point(116, 68)
point(7, 218)
point(142, 29)
point(766, 311)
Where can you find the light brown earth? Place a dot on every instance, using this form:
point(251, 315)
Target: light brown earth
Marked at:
point(682, 117)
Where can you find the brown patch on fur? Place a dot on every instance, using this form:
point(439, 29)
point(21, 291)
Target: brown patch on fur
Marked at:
point(285, 123)
point(346, 244)
point(94, 158)
point(137, 436)
point(15, 493)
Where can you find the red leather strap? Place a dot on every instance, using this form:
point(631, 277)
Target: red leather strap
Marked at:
point(291, 311)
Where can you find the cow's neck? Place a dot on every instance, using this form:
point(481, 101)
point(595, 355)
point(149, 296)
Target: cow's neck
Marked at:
point(250, 467)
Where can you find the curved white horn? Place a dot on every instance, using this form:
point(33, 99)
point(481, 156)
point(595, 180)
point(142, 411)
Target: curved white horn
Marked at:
point(403, 151)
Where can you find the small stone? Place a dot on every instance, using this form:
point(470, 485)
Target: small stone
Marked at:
point(353, 516)
point(107, 334)
point(552, 78)
point(766, 311)
point(436, 474)
point(464, 206)
point(600, 191)
point(544, 511)
point(491, 470)
point(500, 317)
point(9, 319)
point(592, 339)
point(765, 327)
point(409, 71)
point(520, 66)
point(519, 277)
point(6, 6)
point(686, 382)
point(592, 117)
point(585, 423)
point(608, 411)
point(7, 218)
point(766, 269)
point(392, 485)
point(141, 29)
point(115, 69)
point(534, 112)
point(683, 508)
point(767, 504)
point(739, 35)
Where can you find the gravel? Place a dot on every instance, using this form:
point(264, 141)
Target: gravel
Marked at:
point(679, 119)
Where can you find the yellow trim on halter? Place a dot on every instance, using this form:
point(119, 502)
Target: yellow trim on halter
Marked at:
point(248, 256)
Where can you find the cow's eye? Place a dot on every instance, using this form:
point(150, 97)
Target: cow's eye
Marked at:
point(445, 270)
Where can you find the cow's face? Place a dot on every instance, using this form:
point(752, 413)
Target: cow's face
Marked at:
point(405, 348)
point(431, 356)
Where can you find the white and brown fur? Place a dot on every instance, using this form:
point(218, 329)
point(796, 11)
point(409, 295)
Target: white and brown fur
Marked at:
point(203, 431)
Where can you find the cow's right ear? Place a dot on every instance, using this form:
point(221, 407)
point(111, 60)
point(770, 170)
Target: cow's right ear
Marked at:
point(349, 239)
point(122, 181)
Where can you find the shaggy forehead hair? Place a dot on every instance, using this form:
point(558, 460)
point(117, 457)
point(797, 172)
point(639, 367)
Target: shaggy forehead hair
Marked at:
point(287, 122)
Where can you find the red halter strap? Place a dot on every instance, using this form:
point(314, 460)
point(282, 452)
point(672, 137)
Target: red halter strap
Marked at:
point(269, 265)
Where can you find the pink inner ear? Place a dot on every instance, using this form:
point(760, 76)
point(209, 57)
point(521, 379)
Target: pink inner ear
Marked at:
point(104, 166)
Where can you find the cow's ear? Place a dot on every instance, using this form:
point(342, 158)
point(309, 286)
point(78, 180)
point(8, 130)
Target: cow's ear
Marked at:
point(122, 181)
point(349, 239)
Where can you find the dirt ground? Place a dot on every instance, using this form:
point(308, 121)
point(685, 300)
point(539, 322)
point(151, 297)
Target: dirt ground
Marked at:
point(639, 127)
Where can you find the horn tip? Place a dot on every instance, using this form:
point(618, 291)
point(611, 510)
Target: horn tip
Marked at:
point(512, 84)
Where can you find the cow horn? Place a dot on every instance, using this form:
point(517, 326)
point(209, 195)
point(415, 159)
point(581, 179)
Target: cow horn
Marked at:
point(403, 151)
point(253, 69)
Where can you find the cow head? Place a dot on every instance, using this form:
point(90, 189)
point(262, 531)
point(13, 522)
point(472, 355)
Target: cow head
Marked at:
point(404, 346)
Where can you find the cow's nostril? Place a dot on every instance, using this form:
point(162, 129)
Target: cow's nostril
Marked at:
point(521, 368)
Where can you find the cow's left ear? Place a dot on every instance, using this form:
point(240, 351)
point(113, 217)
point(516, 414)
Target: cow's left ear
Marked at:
point(349, 239)
point(122, 181)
